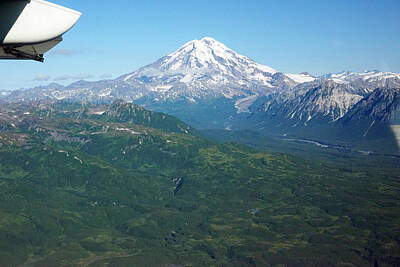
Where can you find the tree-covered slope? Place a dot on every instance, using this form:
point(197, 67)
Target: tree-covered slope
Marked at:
point(90, 190)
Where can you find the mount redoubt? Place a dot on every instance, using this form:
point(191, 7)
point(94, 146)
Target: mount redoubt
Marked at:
point(200, 71)
point(208, 85)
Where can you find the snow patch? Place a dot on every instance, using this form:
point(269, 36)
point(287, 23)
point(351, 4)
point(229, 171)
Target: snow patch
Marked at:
point(339, 81)
point(78, 159)
point(129, 76)
point(301, 78)
point(98, 112)
point(105, 92)
point(188, 78)
point(161, 88)
point(126, 130)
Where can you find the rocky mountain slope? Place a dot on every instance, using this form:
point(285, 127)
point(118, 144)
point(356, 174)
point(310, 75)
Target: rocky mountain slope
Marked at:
point(326, 101)
point(376, 115)
point(324, 104)
point(382, 105)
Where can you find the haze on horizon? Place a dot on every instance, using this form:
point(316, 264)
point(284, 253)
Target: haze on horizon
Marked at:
point(118, 37)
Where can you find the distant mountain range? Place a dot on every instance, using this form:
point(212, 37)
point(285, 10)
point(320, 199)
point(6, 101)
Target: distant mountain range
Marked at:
point(209, 85)
point(200, 69)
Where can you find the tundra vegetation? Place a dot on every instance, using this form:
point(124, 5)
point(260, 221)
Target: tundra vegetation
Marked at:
point(93, 185)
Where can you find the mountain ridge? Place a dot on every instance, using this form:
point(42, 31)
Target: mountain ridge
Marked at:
point(208, 85)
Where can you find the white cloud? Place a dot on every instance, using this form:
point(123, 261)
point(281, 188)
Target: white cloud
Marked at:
point(73, 77)
point(41, 77)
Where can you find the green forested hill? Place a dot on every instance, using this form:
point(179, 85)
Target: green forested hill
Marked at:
point(79, 187)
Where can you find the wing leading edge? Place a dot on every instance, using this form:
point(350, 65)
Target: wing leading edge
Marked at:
point(28, 29)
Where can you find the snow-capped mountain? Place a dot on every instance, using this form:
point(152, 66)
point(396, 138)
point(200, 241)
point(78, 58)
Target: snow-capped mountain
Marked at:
point(207, 68)
point(199, 70)
point(201, 64)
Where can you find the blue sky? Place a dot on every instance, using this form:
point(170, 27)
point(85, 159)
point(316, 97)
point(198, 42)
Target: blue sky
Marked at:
point(117, 37)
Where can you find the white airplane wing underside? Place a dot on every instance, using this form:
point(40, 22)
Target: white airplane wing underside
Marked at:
point(28, 29)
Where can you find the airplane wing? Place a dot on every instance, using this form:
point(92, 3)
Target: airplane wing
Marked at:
point(30, 28)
